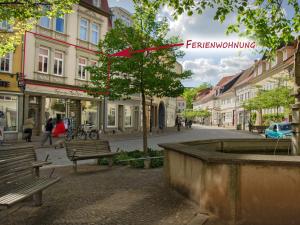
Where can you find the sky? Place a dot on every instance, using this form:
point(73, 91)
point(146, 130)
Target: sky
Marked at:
point(207, 65)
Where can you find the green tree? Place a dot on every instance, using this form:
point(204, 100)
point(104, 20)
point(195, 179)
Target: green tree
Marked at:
point(20, 16)
point(150, 74)
point(271, 23)
point(190, 93)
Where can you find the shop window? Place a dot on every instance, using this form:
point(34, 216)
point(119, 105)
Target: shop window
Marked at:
point(60, 24)
point(43, 60)
point(55, 107)
point(45, 22)
point(83, 35)
point(111, 115)
point(89, 112)
point(5, 63)
point(9, 112)
point(128, 116)
point(95, 33)
point(81, 68)
point(58, 63)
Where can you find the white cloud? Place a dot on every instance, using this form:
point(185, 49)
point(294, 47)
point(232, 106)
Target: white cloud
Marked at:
point(209, 70)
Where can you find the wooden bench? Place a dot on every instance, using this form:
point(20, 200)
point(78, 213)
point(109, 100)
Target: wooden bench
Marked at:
point(17, 182)
point(88, 149)
point(15, 151)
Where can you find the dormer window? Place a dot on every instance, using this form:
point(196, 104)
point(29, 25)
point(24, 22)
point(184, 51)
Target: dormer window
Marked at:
point(259, 69)
point(274, 62)
point(285, 54)
point(96, 3)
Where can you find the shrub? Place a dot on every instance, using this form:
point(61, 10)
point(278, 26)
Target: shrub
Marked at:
point(139, 163)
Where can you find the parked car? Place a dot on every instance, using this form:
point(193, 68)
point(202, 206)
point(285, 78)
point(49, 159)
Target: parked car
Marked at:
point(279, 130)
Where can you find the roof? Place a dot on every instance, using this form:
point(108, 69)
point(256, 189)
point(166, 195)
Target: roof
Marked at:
point(245, 77)
point(202, 93)
point(224, 80)
point(104, 9)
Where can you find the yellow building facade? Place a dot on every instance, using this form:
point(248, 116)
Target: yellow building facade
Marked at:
point(11, 96)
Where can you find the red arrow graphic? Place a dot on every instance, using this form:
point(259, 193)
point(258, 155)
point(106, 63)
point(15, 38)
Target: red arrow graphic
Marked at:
point(129, 51)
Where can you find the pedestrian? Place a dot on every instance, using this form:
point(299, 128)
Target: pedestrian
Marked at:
point(177, 123)
point(186, 123)
point(190, 123)
point(48, 131)
point(28, 126)
point(59, 128)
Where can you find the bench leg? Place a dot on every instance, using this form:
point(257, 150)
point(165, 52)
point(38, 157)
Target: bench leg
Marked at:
point(37, 171)
point(110, 161)
point(38, 198)
point(75, 166)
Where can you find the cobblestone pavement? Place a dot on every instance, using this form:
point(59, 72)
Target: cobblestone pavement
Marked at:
point(107, 196)
point(128, 143)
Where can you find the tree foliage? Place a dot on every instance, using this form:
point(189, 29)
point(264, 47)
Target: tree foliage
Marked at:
point(190, 93)
point(271, 23)
point(277, 97)
point(150, 74)
point(22, 15)
point(192, 114)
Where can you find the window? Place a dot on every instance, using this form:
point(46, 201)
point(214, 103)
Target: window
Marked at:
point(95, 33)
point(285, 55)
point(45, 22)
point(89, 112)
point(128, 116)
point(96, 3)
point(58, 63)
point(83, 29)
point(8, 112)
point(81, 68)
point(111, 115)
point(259, 70)
point(4, 25)
point(60, 24)
point(274, 62)
point(43, 60)
point(5, 63)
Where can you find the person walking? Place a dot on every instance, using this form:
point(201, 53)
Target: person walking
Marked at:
point(48, 131)
point(177, 123)
point(28, 126)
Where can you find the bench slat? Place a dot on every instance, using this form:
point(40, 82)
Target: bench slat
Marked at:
point(22, 191)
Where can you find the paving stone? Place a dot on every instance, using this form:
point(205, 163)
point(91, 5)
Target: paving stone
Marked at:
point(103, 196)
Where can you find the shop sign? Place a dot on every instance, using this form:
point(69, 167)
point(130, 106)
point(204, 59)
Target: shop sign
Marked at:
point(56, 91)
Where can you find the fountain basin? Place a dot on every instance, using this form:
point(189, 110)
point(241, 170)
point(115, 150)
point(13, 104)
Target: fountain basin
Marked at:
point(240, 181)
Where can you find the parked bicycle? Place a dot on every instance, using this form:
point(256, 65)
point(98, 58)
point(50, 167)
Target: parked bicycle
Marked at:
point(87, 131)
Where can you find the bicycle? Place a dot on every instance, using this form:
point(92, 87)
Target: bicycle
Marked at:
point(87, 131)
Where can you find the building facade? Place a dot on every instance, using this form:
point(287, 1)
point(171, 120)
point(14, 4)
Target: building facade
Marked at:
point(225, 100)
point(11, 96)
point(56, 53)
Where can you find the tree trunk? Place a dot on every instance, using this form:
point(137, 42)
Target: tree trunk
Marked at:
point(145, 144)
point(296, 106)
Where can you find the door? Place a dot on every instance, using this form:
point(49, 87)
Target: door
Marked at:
point(121, 117)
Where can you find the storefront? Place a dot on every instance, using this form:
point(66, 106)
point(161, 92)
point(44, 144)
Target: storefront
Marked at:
point(44, 102)
point(10, 108)
point(123, 115)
